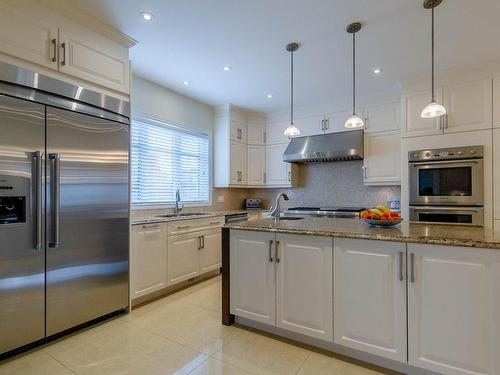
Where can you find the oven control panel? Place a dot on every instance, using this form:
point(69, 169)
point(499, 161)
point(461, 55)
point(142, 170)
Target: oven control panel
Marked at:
point(469, 152)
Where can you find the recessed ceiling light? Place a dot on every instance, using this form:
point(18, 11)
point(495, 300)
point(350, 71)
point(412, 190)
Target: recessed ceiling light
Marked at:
point(269, 96)
point(377, 71)
point(147, 16)
point(227, 68)
point(186, 83)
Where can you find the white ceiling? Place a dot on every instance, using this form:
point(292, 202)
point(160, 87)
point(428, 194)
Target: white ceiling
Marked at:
point(193, 39)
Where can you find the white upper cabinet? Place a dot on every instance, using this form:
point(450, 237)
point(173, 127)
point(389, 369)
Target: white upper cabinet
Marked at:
point(27, 37)
point(256, 165)
point(238, 126)
point(89, 56)
point(382, 161)
point(382, 118)
point(468, 106)
point(334, 122)
point(252, 276)
point(256, 131)
point(274, 133)
point(278, 173)
point(370, 296)
point(309, 125)
point(454, 309)
point(412, 106)
point(496, 174)
point(238, 163)
point(496, 102)
point(304, 304)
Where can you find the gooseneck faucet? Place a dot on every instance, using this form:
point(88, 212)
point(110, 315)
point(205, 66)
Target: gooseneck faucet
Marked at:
point(276, 210)
point(178, 205)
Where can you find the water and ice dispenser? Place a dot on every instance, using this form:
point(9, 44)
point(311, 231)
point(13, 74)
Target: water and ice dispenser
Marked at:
point(12, 203)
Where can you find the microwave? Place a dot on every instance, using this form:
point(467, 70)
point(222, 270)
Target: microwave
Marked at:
point(447, 177)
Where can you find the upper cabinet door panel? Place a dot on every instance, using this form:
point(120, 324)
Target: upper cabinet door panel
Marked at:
point(469, 106)
point(382, 160)
point(275, 133)
point(309, 125)
point(256, 131)
point(94, 58)
point(412, 106)
point(383, 117)
point(496, 102)
point(334, 122)
point(29, 38)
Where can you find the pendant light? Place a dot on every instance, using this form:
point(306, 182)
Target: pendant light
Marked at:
point(354, 121)
point(291, 130)
point(433, 109)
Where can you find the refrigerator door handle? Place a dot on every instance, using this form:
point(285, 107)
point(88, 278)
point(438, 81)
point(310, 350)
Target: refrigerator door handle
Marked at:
point(55, 202)
point(36, 158)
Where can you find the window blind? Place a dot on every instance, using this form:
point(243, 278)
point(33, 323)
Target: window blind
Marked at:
point(165, 158)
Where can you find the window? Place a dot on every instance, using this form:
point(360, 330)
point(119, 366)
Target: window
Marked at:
point(166, 158)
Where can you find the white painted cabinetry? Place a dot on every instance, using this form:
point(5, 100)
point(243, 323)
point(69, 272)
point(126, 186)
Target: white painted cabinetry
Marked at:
point(413, 124)
point(370, 296)
point(454, 309)
point(183, 257)
point(256, 165)
point(304, 304)
point(210, 252)
point(278, 172)
point(496, 102)
point(238, 163)
point(148, 263)
point(496, 174)
point(382, 161)
point(268, 283)
point(382, 118)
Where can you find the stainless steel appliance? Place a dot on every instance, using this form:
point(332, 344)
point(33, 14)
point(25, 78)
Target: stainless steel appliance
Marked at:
point(64, 224)
point(340, 146)
point(447, 185)
point(234, 218)
point(253, 203)
point(335, 212)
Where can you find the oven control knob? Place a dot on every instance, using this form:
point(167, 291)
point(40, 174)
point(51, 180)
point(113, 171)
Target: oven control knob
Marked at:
point(459, 152)
point(472, 151)
point(427, 154)
point(415, 155)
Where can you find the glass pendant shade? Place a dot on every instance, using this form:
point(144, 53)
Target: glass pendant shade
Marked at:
point(292, 131)
point(433, 110)
point(354, 122)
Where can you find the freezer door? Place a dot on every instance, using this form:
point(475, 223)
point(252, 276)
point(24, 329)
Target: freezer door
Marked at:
point(22, 254)
point(87, 218)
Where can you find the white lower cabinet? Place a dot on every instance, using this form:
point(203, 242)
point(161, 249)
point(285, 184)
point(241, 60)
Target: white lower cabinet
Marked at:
point(183, 257)
point(304, 295)
point(370, 296)
point(283, 281)
point(148, 253)
point(210, 252)
point(454, 309)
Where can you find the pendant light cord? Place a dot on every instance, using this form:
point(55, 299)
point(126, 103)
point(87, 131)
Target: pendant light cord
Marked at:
point(354, 73)
point(291, 87)
point(432, 54)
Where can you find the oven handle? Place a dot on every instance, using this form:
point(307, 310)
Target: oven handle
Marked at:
point(430, 210)
point(462, 161)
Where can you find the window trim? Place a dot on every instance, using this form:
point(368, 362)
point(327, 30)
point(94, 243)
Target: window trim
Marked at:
point(156, 121)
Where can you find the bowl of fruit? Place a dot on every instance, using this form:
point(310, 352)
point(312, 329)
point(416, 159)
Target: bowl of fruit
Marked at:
point(381, 216)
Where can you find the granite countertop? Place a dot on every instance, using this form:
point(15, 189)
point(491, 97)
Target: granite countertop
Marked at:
point(156, 219)
point(452, 235)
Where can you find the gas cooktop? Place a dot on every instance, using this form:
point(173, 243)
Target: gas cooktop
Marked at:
point(340, 212)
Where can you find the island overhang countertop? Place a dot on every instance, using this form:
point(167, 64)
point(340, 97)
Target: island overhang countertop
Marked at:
point(450, 235)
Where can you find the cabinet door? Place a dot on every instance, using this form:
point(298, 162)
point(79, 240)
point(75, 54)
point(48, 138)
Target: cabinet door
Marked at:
point(238, 128)
point(468, 106)
point(148, 263)
point(89, 56)
point(238, 163)
point(183, 257)
point(30, 38)
point(382, 160)
point(496, 102)
point(252, 293)
point(496, 174)
point(412, 106)
point(256, 131)
point(383, 117)
point(335, 121)
point(454, 309)
point(277, 171)
point(275, 133)
point(256, 165)
point(304, 295)
point(370, 296)
point(310, 125)
point(210, 252)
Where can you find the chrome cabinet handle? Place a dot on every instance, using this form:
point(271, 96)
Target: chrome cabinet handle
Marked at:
point(327, 124)
point(54, 46)
point(270, 250)
point(366, 122)
point(277, 249)
point(214, 222)
point(289, 176)
point(150, 226)
point(364, 171)
point(412, 268)
point(199, 242)
point(400, 265)
point(264, 137)
point(63, 46)
point(37, 193)
point(55, 186)
point(322, 125)
point(265, 177)
point(202, 242)
point(184, 227)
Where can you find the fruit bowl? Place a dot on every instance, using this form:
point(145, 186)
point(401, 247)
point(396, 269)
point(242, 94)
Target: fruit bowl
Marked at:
point(383, 223)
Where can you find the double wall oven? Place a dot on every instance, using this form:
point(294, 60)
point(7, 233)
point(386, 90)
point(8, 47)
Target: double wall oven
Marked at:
point(447, 185)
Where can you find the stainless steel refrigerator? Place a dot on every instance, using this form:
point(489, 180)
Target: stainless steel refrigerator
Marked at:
point(64, 224)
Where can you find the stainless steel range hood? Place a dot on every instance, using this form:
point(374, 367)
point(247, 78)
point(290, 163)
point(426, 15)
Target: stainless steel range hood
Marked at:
point(341, 146)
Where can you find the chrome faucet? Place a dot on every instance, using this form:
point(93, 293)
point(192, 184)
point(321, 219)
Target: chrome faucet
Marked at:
point(275, 211)
point(178, 205)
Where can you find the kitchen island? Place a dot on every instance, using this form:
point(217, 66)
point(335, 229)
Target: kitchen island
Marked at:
point(414, 298)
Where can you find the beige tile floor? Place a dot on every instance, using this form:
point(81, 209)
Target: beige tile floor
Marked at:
point(178, 334)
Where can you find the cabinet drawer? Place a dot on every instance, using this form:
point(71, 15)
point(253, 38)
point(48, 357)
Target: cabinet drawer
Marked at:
point(194, 225)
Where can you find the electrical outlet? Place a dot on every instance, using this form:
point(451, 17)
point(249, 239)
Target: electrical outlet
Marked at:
point(220, 199)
